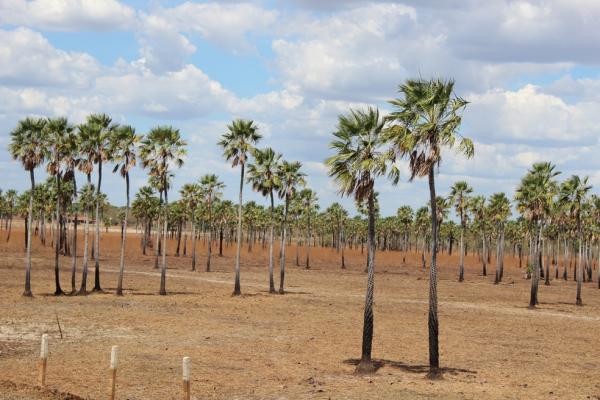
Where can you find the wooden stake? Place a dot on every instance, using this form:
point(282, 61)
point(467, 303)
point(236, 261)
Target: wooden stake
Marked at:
point(186, 378)
point(114, 364)
point(43, 360)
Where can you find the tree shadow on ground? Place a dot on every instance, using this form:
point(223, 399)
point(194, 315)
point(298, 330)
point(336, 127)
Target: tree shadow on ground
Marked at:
point(415, 369)
point(134, 293)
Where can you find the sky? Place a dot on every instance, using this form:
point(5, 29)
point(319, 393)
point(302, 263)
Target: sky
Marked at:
point(529, 68)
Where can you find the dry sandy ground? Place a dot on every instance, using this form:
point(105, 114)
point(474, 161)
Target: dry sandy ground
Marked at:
point(298, 346)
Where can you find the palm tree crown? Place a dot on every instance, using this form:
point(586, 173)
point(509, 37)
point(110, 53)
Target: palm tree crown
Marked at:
point(359, 157)
point(427, 118)
point(28, 142)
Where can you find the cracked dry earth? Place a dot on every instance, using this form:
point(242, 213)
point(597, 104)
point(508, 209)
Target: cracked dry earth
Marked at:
point(302, 345)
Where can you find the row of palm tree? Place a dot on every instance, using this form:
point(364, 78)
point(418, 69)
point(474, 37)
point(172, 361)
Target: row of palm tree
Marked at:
point(87, 147)
point(425, 119)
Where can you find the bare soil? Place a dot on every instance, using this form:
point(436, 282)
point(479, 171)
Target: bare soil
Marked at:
point(302, 345)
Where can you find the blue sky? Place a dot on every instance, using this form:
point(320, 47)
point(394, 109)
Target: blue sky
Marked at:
point(528, 67)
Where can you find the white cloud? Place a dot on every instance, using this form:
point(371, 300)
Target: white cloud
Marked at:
point(67, 15)
point(528, 115)
point(27, 58)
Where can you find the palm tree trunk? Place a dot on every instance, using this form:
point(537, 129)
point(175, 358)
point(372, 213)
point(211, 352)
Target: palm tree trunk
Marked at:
point(179, 231)
point(163, 270)
point(501, 253)
point(27, 291)
point(10, 219)
point(343, 245)
point(74, 254)
point(158, 231)
point(57, 240)
point(497, 277)
point(97, 287)
point(366, 364)
point(122, 260)
point(194, 240)
point(461, 267)
point(237, 288)
point(536, 267)
point(282, 250)
point(86, 235)
point(579, 266)
point(433, 324)
point(308, 237)
point(483, 254)
point(271, 229)
point(210, 232)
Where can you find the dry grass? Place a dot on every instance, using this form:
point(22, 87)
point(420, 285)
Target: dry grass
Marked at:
point(300, 345)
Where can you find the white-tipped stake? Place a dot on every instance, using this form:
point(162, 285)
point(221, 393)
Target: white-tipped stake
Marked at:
point(43, 360)
point(44, 348)
point(114, 357)
point(186, 378)
point(114, 364)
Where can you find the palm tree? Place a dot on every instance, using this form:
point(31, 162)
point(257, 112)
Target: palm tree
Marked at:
point(59, 139)
point(426, 119)
point(162, 148)
point(499, 210)
point(358, 160)
point(211, 187)
point(145, 207)
point(309, 202)
point(338, 215)
point(262, 174)
point(573, 193)
point(123, 145)
point(95, 145)
point(237, 143)
point(459, 195)
point(71, 160)
point(85, 144)
point(28, 145)
point(11, 200)
point(534, 197)
point(405, 217)
point(480, 213)
point(191, 195)
point(290, 178)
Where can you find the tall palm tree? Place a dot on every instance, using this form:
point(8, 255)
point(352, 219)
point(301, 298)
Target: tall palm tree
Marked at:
point(123, 147)
point(405, 217)
point(573, 193)
point(59, 140)
point(192, 194)
point(11, 202)
point(459, 195)
point(71, 160)
point(238, 143)
point(309, 202)
point(85, 144)
point(534, 197)
point(480, 213)
point(95, 145)
point(499, 209)
point(290, 178)
point(162, 148)
point(427, 118)
point(358, 160)
point(338, 215)
point(211, 186)
point(28, 146)
point(262, 174)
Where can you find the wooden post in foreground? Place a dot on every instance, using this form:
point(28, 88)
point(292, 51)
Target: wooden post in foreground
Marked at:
point(43, 360)
point(114, 364)
point(186, 378)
